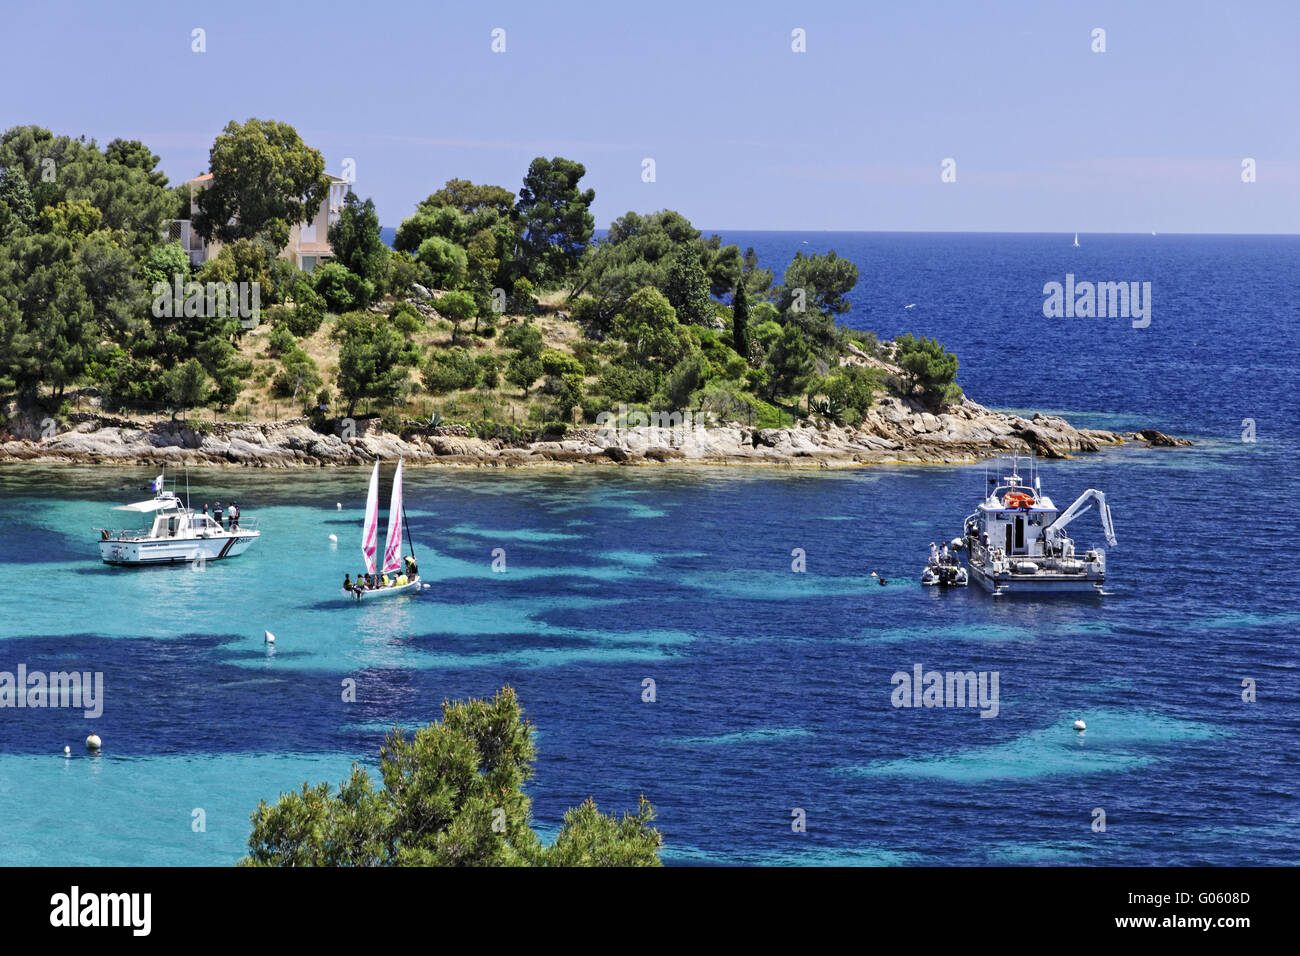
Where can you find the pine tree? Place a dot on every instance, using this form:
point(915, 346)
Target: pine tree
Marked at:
point(740, 322)
point(688, 288)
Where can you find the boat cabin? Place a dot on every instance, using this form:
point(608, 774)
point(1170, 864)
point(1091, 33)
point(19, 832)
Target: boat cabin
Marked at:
point(1013, 516)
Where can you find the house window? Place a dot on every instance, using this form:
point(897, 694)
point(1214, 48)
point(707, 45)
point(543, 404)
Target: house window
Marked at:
point(309, 232)
point(308, 263)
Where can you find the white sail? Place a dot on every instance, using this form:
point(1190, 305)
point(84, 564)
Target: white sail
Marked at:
point(371, 527)
point(393, 544)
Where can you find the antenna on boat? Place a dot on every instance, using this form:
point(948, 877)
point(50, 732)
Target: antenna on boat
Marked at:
point(187, 488)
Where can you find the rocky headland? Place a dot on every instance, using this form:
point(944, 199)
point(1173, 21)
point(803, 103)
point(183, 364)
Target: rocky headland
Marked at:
point(894, 431)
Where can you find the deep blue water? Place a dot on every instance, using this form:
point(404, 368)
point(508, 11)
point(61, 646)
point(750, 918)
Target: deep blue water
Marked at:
point(773, 688)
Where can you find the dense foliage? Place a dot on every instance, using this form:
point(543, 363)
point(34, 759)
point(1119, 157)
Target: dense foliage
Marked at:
point(452, 795)
point(94, 291)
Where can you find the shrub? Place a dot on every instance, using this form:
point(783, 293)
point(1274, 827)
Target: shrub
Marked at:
point(342, 290)
point(297, 376)
point(926, 365)
point(406, 318)
point(450, 371)
point(281, 341)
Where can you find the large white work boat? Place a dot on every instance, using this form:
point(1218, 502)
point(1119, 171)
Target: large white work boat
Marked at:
point(1015, 541)
point(175, 535)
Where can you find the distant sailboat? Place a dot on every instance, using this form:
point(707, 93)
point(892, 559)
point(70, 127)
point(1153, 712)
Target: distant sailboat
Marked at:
point(1076, 240)
point(392, 558)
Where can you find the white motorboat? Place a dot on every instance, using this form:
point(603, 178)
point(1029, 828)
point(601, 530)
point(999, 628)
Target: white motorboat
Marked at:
point(406, 577)
point(945, 574)
point(1015, 541)
point(175, 535)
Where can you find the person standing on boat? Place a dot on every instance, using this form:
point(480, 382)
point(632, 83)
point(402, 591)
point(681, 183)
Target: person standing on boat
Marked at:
point(234, 516)
point(216, 513)
point(943, 554)
point(411, 569)
point(934, 553)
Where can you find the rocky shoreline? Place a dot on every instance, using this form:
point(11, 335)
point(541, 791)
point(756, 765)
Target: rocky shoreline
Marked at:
point(893, 432)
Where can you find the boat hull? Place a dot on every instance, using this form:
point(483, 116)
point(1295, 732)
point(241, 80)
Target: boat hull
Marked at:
point(1039, 583)
point(411, 587)
point(150, 551)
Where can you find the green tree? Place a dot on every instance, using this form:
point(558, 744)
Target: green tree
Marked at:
point(825, 281)
point(525, 363)
point(639, 251)
point(688, 288)
point(374, 359)
point(185, 385)
point(929, 367)
point(17, 211)
point(446, 264)
point(457, 307)
point(740, 322)
point(792, 363)
point(120, 181)
point(648, 325)
point(451, 370)
point(264, 179)
point(556, 218)
point(341, 288)
point(452, 796)
point(854, 387)
point(356, 241)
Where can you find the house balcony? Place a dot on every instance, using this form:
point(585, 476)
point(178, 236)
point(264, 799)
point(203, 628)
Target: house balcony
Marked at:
point(182, 231)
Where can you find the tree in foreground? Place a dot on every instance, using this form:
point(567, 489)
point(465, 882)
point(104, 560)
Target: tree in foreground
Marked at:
point(452, 795)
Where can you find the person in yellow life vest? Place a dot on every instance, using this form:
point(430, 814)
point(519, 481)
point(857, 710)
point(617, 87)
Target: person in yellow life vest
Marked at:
point(385, 580)
point(401, 580)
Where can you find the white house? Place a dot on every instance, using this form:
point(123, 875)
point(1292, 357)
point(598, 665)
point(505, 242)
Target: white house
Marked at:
point(308, 241)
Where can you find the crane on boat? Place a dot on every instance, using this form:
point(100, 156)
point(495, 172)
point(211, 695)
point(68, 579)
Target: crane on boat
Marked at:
point(1055, 532)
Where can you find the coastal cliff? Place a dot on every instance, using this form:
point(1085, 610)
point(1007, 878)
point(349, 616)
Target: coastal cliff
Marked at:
point(893, 431)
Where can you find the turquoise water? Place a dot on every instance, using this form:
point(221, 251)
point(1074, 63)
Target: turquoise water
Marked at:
point(772, 688)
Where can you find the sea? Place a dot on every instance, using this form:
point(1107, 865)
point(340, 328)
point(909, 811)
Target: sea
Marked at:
point(727, 641)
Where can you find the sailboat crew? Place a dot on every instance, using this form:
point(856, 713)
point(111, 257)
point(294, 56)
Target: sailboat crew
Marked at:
point(411, 569)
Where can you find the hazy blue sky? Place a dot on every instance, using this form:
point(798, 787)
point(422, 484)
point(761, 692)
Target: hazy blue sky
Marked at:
point(745, 133)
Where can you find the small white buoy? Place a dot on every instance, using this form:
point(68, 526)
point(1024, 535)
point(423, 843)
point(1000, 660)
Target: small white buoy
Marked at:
point(1080, 725)
point(338, 506)
point(67, 751)
point(334, 538)
point(92, 742)
point(270, 638)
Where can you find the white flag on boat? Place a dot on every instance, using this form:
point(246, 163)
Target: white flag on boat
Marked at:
point(393, 545)
point(157, 484)
point(371, 526)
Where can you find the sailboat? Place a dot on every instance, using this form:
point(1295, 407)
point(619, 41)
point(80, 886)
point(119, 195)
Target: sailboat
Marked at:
point(390, 562)
point(1076, 240)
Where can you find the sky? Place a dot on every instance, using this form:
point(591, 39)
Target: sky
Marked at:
point(1044, 134)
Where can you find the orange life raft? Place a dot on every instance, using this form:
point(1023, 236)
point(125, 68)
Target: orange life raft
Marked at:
point(1017, 499)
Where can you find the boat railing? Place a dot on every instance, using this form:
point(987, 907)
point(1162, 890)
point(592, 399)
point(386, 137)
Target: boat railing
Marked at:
point(124, 534)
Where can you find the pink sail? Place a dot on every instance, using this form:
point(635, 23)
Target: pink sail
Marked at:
point(371, 526)
point(393, 545)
